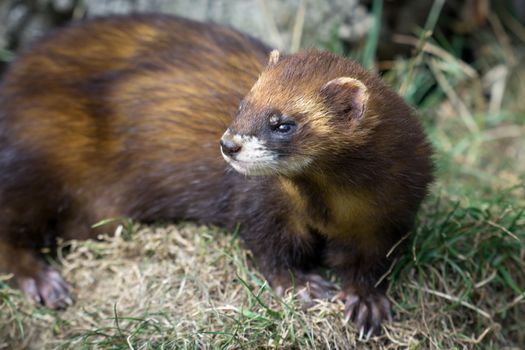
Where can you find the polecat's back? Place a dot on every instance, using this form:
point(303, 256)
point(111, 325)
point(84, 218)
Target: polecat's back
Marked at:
point(130, 107)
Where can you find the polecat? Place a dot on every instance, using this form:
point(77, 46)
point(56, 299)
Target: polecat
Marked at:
point(122, 116)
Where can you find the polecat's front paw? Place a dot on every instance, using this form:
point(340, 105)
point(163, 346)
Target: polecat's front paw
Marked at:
point(367, 309)
point(307, 286)
point(46, 286)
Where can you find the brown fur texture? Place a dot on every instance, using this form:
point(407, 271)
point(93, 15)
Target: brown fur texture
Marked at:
point(122, 116)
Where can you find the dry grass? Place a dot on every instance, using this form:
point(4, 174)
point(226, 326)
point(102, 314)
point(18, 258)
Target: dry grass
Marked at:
point(180, 286)
point(193, 287)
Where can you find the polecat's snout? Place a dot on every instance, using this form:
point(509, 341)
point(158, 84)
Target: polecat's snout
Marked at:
point(248, 155)
point(229, 147)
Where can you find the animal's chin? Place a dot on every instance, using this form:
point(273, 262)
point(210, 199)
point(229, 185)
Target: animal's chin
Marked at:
point(253, 168)
point(265, 169)
point(268, 168)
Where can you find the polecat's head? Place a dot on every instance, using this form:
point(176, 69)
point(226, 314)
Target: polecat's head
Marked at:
point(302, 109)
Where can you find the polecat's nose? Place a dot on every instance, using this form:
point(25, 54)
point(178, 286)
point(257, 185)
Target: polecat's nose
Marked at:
point(229, 147)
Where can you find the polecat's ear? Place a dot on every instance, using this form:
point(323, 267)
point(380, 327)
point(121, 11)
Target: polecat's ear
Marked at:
point(346, 97)
point(274, 57)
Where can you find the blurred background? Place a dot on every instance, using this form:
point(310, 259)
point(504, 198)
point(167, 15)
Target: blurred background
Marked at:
point(286, 24)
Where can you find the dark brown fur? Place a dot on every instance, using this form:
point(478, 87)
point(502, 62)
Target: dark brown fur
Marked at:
point(122, 117)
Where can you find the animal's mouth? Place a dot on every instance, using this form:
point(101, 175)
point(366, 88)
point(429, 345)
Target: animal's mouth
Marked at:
point(252, 167)
point(268, 167)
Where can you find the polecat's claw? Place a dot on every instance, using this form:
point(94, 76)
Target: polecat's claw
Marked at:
point(368, 311)
point(47, 287)
point(307, 286)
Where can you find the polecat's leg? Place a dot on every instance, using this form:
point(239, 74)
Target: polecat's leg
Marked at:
point(364, 290)
point(288, 262)
point(34, 277)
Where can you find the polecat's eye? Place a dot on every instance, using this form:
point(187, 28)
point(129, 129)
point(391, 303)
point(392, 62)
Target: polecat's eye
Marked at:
point(284, 127)
point(280, 124)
